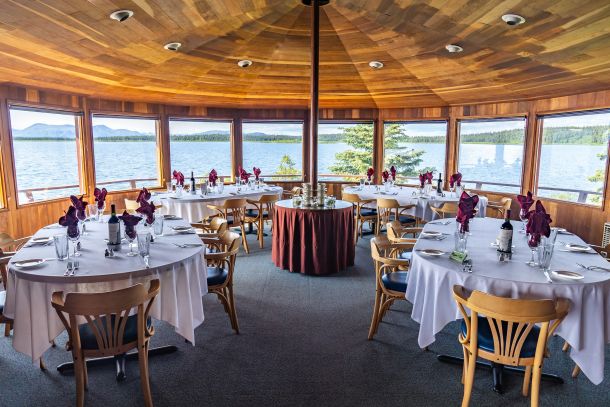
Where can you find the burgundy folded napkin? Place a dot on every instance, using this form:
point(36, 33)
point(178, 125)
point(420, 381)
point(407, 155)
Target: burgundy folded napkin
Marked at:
point(369, 173)
point(212, 177)
point(70, 220)
point(257, 172)
point(244, 175)
point(422, 180)
point(538, 225)
point(466, 210)
point(100, 196)
point(179, 177)
point(393, 173)
point(147, 209)
point(525, 201)
point(144, 195)
point(80, 205)
point(456, 179)
point(385, 175)
point(130, 222)
point(429, 177)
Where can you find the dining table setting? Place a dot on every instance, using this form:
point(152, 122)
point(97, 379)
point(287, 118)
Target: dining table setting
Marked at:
point(79, 254)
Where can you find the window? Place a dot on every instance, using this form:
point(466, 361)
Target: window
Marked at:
point(573, 156)
point(200, 146)
point(491, 154)
point(45, 154)
point(125, 152)
point(345, 150)
point(414, 147)
point(274, 147)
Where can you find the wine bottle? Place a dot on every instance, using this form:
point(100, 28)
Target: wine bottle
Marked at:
point(505, 239)
point(439, 185)
point(193, 186)
point(114, 230)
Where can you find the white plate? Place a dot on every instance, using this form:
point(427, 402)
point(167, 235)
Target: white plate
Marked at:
point(53, 226)
point(568, 275)
point(182, 227)
point(573, 247)
point(30, 263)
point(186, 232)
point(41, 240)
point(563, 231)
point(171, 217)
point(431, 252)
point(431, 233)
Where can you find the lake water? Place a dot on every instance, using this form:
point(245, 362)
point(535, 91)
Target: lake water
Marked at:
point(46, 164)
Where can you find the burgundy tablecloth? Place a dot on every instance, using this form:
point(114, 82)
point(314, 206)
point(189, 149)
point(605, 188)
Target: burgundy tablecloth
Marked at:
point(314, 242)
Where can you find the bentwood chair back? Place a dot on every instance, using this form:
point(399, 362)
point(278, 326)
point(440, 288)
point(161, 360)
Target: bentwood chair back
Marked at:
point(390, 277)
point(221, 266)
point(9, 245)
point(295, 191)
point(500, 207)
point(449, 209)
point(265, 206)
point(8, 323)
point(389, 209)
point(234, 211)
point(131, 206)
point(109, 329)
point(507, 331)
point(362, 214)
point(214, 228)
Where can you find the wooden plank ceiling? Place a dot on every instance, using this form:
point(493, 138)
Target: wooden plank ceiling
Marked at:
point(73, 46)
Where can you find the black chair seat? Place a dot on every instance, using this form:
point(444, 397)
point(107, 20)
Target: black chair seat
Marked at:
point(406, 255)
point(486, 341)
point(2, 301)
point(406, 219)
point(396, 281)
point(217, 275)
point(87, 337)
point(368, 212)
point(253, 213)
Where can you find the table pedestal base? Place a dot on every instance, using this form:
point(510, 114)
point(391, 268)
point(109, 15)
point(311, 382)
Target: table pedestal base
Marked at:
point(66, 368)
point(497, 371)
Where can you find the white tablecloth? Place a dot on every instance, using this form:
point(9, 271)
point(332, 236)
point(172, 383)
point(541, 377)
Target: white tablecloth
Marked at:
point(587, 325)
point(409, 196)
point(194, 208)
point(181, 272)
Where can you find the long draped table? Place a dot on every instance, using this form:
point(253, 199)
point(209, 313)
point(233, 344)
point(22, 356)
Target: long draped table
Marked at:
point(311, 240)
point(587, 325)
point(181, 272)
point(194, 208)
point(410, 196)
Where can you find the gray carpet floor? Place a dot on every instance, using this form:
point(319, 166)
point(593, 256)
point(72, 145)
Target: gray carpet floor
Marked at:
point(303, 342)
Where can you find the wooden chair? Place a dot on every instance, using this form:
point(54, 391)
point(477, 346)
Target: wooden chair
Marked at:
point(389, 209)
point(8, 323)
point(109, 329)
point(221, 265)
point(131, 206)
point(391, 279)
point(362, 214)
point(215, 227)
point(509, 332)
point(234, 211)
point(295, 191)
point(500, 207)
point(9, 245)
point(397, 233)
point(263, 213)
point(449, 209)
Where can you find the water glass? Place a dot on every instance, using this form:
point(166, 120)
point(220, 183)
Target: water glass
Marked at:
point(158, 225)
point(169, 187)
point(144, 237)
point(92, 211)
point(62, 250)
point(386, 186)
point(362, 183)
point(545, 250)
point(100, 212)
point(221, 187)
point(179, 189)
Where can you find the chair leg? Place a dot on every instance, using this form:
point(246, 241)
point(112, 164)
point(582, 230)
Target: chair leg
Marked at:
point(566, 347)
point(465, 364)
point(536, 374)
point(527, 379)
point(80, 381)
point(143, 359)
point(243, 239)
point(576, 371)
point(233, 311)
point(8, 325)
point(375, 319)
point(261, 230)
point(469, 380)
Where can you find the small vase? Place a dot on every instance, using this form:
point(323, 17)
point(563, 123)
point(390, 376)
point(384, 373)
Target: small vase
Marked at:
point(461, 240)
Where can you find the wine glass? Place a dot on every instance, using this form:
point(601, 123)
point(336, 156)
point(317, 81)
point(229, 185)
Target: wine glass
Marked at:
point(92, 211)
point(130, 236)
point(362, 181)
point(74, 237)
point(533, 245)
point(523, 218)
point(100, 213)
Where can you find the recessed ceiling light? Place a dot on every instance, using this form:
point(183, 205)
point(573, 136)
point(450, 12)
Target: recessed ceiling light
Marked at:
point(172, 46)
point(244, 63)
point(376, 64)
point(453, 48)
point(513, 19)
point(121, 15)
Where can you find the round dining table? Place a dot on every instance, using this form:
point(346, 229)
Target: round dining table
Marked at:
point(586, 327)
point(411, 196)
point(312, 240)
point(181, 272)
point(194, 207)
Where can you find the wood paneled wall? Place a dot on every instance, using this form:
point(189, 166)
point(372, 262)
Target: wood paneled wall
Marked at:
point(585, 220)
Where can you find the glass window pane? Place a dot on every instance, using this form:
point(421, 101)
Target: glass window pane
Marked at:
point(125, 152)
point(414, 147)
point(274, 147)
point(200, 146)
point(573, 157)
point(345, 151)
point(491, 154)
point(45, 154)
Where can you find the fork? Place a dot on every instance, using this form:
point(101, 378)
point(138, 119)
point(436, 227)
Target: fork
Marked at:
point(592, 267)
point(68, 268)
point(74, 268)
